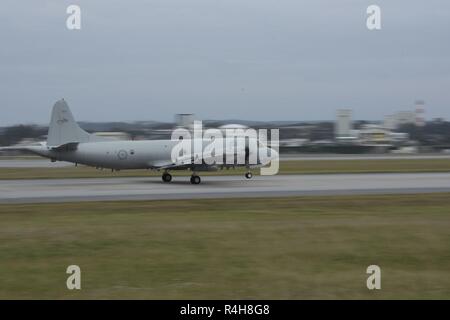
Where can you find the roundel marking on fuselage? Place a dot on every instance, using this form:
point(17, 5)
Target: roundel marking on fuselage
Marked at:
point(122, 155)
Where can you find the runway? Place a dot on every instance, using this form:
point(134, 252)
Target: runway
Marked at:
point(388, 156)
point(151, 188)
point(35, 162)
point(32, 163)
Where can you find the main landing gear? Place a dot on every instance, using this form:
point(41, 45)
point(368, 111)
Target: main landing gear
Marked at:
point(195, 179)
point(166, 177)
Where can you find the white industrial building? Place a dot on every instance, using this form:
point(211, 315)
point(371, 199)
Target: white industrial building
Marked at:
point(416, 117)
point(185, 120)
point(371, 134)
point(343, 124)
point(394, 121)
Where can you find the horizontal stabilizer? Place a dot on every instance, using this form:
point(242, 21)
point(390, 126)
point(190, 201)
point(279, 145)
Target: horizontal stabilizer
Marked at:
point(71, 146)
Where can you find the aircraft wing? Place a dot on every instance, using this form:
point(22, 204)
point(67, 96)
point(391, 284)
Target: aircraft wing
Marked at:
point(188, 161)
point(180, 163)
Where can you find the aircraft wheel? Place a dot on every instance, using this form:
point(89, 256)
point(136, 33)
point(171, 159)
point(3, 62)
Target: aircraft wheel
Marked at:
point(166, 177)
point(249, 175)
point(195, 180)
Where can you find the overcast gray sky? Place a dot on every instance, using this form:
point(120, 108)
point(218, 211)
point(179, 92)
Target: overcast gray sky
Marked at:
point(222, 59)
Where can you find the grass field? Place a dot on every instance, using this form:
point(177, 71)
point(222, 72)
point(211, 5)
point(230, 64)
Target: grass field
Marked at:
point(280, 248)
point(286, 167)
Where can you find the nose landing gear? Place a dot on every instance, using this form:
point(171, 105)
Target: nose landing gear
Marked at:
point(249, 175)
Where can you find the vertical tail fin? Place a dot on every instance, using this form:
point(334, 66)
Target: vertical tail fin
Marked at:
point(63, 128)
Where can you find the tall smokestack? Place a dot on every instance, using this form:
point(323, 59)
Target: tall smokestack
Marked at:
point(420, 113)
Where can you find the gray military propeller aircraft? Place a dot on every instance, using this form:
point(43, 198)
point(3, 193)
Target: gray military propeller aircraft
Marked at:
point(66, 141)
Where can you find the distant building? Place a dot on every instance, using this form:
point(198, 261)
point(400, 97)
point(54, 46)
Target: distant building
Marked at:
point(114, 135)
point(343, 125)
point(405, 117)
point(185, 120)
point(293, 142)
point(394, 121)
point(416, 117)
point(372, 134)
point(239, 130)
point(438, 120)
point(233, 126)
point(390, 122)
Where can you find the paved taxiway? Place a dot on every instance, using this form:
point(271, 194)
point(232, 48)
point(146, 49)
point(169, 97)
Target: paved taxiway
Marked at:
point(62, 190)
point(45, 163)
